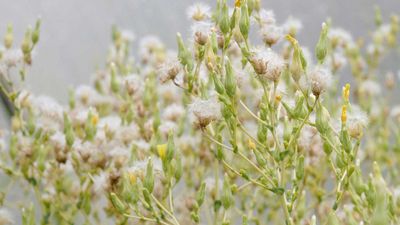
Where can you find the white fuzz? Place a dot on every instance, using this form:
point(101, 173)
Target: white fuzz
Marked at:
point(12, 57)
point(369, 88)
point(6, 218)
point(173, 112)
point(275, 65)
point(267, 17)
point(320, 80)
point(198, 12)
point(292, 26)
point(48, 107)
point(395, 113)
point(357, 120)
point(133, 84)
point(201, 31)
point(271, 34)
point(205, 111)
point(100, 183)
point(127, 35)
point(58, 140)
point(169, 70)
point(86, 94)
point(340, 37)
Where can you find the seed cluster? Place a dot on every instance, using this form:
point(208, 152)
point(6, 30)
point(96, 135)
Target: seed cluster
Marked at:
point(221, 131)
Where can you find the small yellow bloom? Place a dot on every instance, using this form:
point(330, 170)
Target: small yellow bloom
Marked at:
point(251, 144)
point(278, 98)
point(95, 119)
point(346, 92)
point(162, 150)
point(292, 40)
point(344, 114)
point(238, 3)
point(132, 178)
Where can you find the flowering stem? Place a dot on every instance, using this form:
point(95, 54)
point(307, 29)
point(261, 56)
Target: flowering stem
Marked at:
point(145, 219)
point(164, 209)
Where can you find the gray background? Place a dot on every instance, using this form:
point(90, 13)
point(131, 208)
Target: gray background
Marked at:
point(76, 33)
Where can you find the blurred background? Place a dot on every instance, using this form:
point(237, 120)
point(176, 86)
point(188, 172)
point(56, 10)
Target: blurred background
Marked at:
point(75, 34)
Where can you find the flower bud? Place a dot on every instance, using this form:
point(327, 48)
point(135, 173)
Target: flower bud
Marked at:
point(117, 203)
point(230, 81)
point(321, 49)
point(201, 194)
point(300, 168)
point(184, 55)
point(224, 19)
point(9, 38)
point(148, 182)
point(114, 83)
point(322, 119)
point(244, 22)
point(345, 140)
point(36, 32)
point(226, 198)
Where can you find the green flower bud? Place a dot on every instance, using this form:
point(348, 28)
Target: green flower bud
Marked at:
point(244, 22)
point(195, 217)
point(178, 168)
point(226, 198)
point(36, 32)
point(233, 18)
point(300, 110)
point(259, 158)
point(332, 219)
point(322, 119)
point(41, 159)
point(184, 55)
point(378, 16)
point(321, 49)
point(224, 19)
point(148, 182)
point(345, 140)
point(114, 83)
point(117, 203)
point(26, 45)
point(28, 216)
point(9, 38)
point(230, 81)
point(201, 194)
point(13, 146)
point(71, 98)
point(300, 168)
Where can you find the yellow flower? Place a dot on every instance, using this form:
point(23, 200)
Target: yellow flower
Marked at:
point(95, 119)
point(162, 150)
point(132, 177)
point(251, 144)
point(344, 114)
point(346, 92)
point(238, 3)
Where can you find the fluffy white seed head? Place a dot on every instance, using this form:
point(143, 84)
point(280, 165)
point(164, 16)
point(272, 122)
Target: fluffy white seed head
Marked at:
point(357, 120)
point(199, 12)
point(201, 31)
point(320, 80)
point(369, 88)
point(292, 26)
point(275, 66)
point(205, 111)
point(271, 34)
point(169, 70)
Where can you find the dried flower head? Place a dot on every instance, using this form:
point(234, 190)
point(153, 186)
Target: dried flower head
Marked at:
point(201, 32)
point(320, 80)
point(169, 70)
point(199, 12)
point(205, 111)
